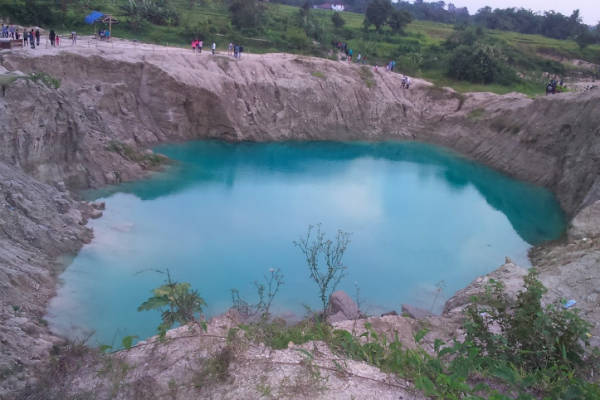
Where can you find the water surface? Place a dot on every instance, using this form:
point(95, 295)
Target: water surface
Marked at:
point(226, 213)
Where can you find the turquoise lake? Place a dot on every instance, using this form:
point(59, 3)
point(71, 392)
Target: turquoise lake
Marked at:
point(224, 214)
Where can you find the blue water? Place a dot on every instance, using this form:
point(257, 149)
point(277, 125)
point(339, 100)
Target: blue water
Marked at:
point(226, 213)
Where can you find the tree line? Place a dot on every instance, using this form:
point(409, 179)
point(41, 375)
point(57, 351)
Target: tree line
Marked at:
point(550, 23)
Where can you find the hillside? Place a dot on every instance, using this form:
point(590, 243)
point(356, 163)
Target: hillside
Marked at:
point(524, 62)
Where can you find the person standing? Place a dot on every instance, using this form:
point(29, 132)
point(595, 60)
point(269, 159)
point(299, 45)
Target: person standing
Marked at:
point(32, 39)
point(200, 43)
point(73, 38)
point(236, 51)
point(57, 40)
point(240, 52)
point(37, 37)
point(230, 49)
point(52, 36)
point(214, 48)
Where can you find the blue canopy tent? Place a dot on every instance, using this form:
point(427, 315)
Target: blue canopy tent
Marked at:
point(93, 17)
point(96, 16)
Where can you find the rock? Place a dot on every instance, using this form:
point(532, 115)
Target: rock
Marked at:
point(337, 317)
point(95, 214)
point(393, 312)
point(62, 205)
point(586, 223)
point(341, 307)
point(98, 205)
point(415, 312)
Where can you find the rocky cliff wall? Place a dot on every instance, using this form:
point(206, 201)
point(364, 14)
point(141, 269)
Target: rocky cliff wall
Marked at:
point(141, 98)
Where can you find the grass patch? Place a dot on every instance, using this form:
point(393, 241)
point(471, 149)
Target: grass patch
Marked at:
point(149, 160)
point(476, 115)
point(215, 369)
point(318, 74)
point(367, 76)
point(48, 80)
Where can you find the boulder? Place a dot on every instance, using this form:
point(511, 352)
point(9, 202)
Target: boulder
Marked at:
point(586, 223)
point(415, 312)
point(341, 307)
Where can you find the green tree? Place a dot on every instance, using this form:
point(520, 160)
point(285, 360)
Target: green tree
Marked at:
point(398, 19)
point(246, 14)
point(338, 20)
point(377, 13)
point(585, 38)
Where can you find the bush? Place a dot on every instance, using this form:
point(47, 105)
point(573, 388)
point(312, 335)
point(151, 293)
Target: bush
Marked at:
point(157, 12)
point(479, 63)
point(531, 336)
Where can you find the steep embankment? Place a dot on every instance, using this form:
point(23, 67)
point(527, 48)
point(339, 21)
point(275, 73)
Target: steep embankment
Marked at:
point(139, 96)
point(114, 102)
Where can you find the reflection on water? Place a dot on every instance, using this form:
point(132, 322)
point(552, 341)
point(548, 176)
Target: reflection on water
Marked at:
point(226, 213)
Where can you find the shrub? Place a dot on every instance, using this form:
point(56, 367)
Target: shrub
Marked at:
point(177, 303)
point(318, 251)
point(531, 336)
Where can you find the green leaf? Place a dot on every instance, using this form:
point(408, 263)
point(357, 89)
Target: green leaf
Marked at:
point(104, 348)
point(154, 302)
point(127, 341)
point(420, 335)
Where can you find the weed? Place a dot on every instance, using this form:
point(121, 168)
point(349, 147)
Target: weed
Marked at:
point(318, 74)
point(264, 389)
point(46, 79)
point(148, 159)
point(476, 114)
point(215, 369)
point(317, 251)
point(367, 76)
point(172, 386)
point(308, 382)
point(266, 294)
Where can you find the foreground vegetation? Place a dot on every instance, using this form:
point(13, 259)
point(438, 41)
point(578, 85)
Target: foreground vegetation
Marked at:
point(513, 348)
point(498, 61)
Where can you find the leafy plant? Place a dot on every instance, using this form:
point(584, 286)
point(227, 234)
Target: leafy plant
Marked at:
point(127, 341)
point(324, 260)
point(266, 294)
point(178, 304)
point(46, 79)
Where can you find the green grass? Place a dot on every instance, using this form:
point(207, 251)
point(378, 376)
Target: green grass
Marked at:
point(530, 53)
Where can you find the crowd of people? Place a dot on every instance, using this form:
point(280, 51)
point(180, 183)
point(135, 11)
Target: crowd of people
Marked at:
point(554, 86)
point(362, 59)
point(9, 32)
point(233, 49)
point(104, 34)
